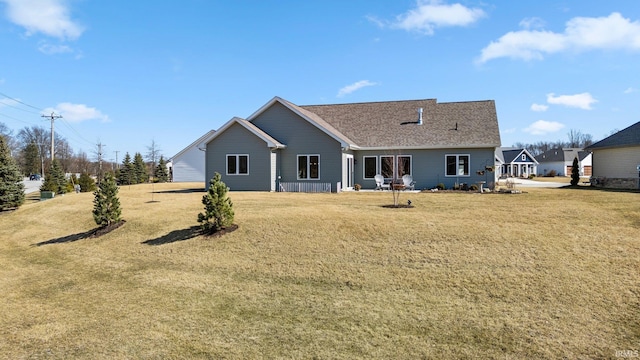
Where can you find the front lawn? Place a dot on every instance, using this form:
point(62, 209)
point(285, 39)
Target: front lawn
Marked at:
point(550, 273)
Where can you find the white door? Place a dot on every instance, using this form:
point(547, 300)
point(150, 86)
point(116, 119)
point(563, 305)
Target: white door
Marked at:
point(349, 172)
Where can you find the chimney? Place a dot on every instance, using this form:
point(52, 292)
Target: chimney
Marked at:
point(419, 116)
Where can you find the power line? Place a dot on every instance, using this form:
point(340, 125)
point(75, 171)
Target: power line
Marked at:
point(18, 101)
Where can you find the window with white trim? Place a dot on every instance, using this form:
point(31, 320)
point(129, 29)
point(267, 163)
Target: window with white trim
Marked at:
point(524, 157)
point(237, 164)
point(457, 165)
point(308, 167)
point(387, 166)
point(404, 165)
point(370, 166)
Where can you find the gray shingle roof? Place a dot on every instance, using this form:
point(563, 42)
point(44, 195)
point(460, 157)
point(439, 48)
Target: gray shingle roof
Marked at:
point(392, 124)
point(627, 137)
point(564, 154)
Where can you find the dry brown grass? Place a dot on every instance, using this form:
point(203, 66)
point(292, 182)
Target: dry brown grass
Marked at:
point(551, 273)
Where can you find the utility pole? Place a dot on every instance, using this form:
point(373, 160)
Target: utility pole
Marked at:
point(117, 165)
point(100, 145)
point(53, 118)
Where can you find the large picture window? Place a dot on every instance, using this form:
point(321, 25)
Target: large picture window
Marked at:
point(308, 167)
point(457, 165)
point(404, 165)
point(237, 164)
point(370, 166)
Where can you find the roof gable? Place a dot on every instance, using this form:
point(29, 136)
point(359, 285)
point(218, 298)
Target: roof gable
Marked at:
point(201, 140)
point(626, 137)
point(510, 155)
point(310, 117)
point(270, 141)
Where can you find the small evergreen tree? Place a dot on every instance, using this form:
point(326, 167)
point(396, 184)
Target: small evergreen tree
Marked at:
point(126, 171)
point(106, 205)
point(31, 159)
point(161, 174)
point(86, 183)
point(218, 208)
point(11, 187)
point(139, 169)
point(54, 179)
point(575, 172)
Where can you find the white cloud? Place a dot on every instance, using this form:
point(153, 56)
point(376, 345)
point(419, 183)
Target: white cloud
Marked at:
point(431, 14)
point(627, 91)
point(77, 112)
point(532, 23)
point(355, 86)
point(581, 34)
point(539, 107)
point(581, 101)
point(542, 127)
point(49, 17)
point(49, 49)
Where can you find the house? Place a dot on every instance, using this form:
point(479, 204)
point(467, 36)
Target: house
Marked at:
point(514, 162)
point(616, 159)
point(560, 160)
point(188, 164)
point(286, 147)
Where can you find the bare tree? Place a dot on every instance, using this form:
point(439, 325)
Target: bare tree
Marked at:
point(153, 153)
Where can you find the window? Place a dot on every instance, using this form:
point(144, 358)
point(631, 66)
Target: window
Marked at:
point(457, 165)
point(237, 164)
point(370, 166)
point(386, 166)
point(308, 167)
point(524, 157)
point(404, 165)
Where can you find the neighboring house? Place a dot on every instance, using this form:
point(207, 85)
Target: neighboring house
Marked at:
point(514, 162)
point(616, 159)
point(188, 164)
point(560, 160)
point(286, 147)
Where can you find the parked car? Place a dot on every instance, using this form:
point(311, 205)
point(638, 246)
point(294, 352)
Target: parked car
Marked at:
point(34, 177)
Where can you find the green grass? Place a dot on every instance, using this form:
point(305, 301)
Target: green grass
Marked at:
point(551, 273)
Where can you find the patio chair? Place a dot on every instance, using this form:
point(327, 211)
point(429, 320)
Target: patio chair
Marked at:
point(409, 184)
point(380, 185)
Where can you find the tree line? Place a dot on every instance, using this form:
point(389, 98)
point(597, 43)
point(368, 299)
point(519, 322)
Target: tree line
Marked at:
point(30, 148)
point(576, 139)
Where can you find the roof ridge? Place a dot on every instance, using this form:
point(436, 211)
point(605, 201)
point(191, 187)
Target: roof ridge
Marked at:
point(371, 102)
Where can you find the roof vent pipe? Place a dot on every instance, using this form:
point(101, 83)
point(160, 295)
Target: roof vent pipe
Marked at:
point(419, 116)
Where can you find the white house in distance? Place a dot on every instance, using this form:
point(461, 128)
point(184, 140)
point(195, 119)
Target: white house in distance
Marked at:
point(560, 160)
point(188, 164)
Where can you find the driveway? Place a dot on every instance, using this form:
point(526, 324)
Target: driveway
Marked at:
point(532, 183)
point(31, 185)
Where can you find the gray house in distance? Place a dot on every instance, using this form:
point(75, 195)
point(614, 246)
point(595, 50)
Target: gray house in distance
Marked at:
point(616, 159)
point(286, 147)
point(560, 160)
point(515, 162)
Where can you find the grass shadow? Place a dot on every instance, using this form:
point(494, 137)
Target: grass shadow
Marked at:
point(181, 191)
point(176, 235)
point(69, 238)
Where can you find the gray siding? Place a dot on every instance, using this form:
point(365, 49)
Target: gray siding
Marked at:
point(301, 138)
point(429, 166)
point(616, 162)
point(238, 140)
point(189, 166)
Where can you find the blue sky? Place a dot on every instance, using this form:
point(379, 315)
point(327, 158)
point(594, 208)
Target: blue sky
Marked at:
point(126, 73)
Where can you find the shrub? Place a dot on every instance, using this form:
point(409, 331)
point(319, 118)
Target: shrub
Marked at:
point(218, 208)
point(551, 173)
point(440, 186)
point(86, 183)
point(54, 179)
point(531, 176)
point(357, 187)
point(473, 187)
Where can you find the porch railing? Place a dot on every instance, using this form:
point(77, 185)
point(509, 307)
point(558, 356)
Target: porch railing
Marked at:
point(307, 187)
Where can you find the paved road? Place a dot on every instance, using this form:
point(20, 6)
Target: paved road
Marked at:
point(31, 185)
